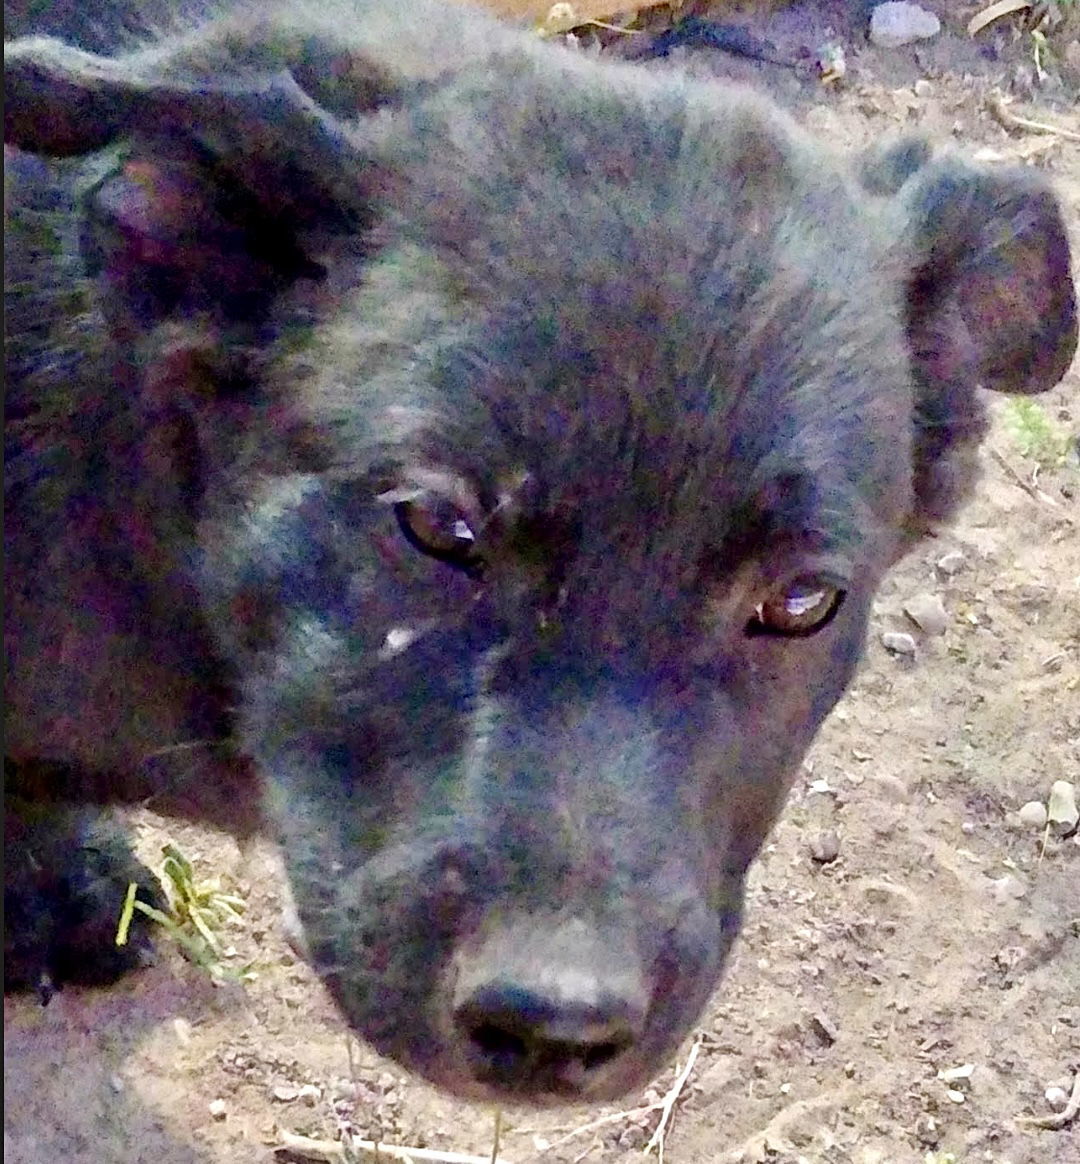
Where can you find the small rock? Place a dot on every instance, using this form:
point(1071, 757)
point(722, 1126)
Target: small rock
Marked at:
point(1056, 1097)
point(927, 612)
point(890, 787)
point(1061, 808)
point(951, 563)
point(889, 894)
point(116, 1082)
point(285, 1092)
point(895, 24)
point(310, 1094)
point(886, 821)
point(217, 1108)
point(898, 642)
point(1033, 814)
point(927, 1131)
point(1007, 888)
point(923, 88)
point(825, 847)
point(968, 828)
point(824, 1028)
point(182, 1030)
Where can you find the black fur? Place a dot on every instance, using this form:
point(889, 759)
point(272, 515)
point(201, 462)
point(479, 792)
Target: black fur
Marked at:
point(499, 450)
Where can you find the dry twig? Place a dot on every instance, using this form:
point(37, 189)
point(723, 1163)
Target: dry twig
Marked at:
point(669, 1101)
point(1031, 490)
point(344, 1151)
point(1005, 116)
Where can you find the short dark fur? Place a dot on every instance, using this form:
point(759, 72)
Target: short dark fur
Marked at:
point(439, 423)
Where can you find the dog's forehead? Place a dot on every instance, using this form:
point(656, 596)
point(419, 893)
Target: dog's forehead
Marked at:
point(648, 300)
point(701, 404)
point(563, 168)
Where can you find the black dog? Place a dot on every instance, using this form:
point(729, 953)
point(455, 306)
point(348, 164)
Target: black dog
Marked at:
point(499, 450)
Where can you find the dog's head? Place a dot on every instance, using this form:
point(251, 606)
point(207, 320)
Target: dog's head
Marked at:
point(554, 424)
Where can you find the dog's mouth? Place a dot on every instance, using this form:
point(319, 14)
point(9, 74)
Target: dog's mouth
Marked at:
point(540, 1012)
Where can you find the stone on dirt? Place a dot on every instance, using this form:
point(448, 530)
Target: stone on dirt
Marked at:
point(927, 612)
point(896, 24)
point(898, 642)
point(1033, 814)
point(951, 563)
point(1061, 807)
point(825, 847)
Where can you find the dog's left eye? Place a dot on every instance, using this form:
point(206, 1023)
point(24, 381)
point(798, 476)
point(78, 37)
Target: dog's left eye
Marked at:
point(799, 608)
point(437, 527)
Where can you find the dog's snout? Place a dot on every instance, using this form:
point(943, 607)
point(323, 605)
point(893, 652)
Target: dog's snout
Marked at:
point(551, 1015)
point(520, 1041)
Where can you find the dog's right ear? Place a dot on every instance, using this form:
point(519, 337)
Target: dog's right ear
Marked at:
point(990, 303)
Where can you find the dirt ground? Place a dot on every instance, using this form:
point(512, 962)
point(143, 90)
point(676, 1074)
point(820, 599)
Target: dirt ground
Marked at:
point(943, 937)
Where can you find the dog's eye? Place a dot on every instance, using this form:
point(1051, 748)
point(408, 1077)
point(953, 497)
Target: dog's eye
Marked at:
point(438, 528)
point(798, 608)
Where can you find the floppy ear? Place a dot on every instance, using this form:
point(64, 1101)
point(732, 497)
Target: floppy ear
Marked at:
point(231, 170)
point(279, 118)
point(990, 303)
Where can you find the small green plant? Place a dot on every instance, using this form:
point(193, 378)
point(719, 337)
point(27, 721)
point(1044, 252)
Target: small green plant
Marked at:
point(1035, 434)
point(1041, 52)
point(197, 913)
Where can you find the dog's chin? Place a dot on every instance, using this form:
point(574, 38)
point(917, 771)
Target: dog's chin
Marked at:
point(457, 1078)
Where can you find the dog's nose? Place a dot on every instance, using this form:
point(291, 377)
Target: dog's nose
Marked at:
point(549, 1012)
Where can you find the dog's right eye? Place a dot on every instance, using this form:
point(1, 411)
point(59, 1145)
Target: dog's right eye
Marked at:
point(437, 527)
point(799, 608)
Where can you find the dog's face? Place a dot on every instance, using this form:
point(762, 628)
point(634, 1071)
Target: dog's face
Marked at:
point(628, 403)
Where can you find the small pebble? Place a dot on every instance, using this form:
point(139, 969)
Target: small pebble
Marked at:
point(923, 88)
point(285, 1092)
point(824, 1028)
point(926, 1131)
point(1061, 807)
point(825, 847)
point(889, 787)
point(898, 642)
point(310, 1094)
point(1056, 1097)
point(1007, 888)
point(927, 612)
point(217, 1109)
point(968, 828)
point(1033, 814)
point(896, 24)
point(951, 563)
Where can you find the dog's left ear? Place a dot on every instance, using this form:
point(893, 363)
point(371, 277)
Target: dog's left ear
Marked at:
point(990, 303)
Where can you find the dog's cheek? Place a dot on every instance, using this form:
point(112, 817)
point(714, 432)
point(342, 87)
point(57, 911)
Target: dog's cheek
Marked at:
point(786, 690)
